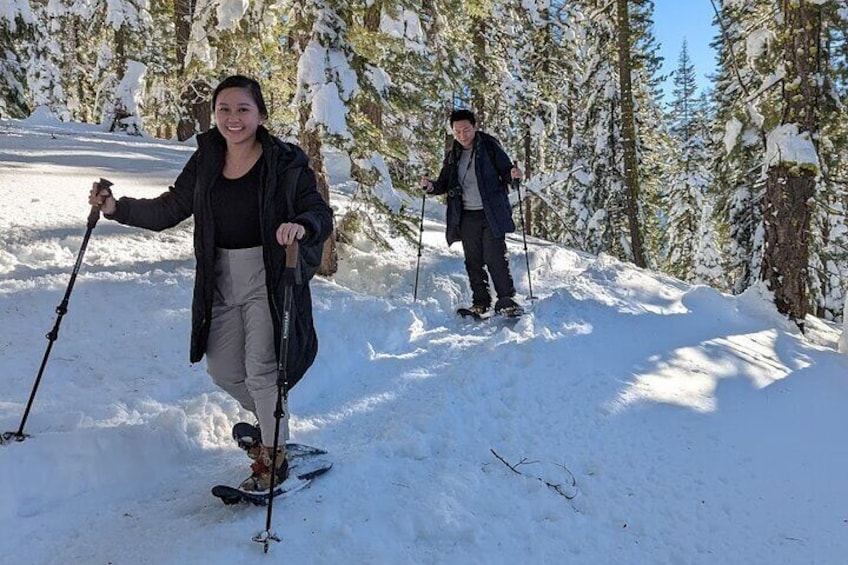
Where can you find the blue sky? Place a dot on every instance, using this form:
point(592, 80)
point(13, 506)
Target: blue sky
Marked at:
point(675, 20)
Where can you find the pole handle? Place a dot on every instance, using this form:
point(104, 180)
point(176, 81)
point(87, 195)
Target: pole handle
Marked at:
point(292, 250)
point(291, 272)
point(94, 214)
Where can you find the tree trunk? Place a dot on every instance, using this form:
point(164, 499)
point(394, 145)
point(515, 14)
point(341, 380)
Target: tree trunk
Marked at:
point(790, 187)
point(373, 110)
point(195, 112)
point(85, 112)
point(13, 96)
point(310, 141)
point(628, 127)
point(479, 73)
point(786, 221)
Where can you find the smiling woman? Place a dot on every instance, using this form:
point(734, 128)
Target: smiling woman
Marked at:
point(251, 195)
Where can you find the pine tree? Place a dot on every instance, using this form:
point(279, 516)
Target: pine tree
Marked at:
point(594, 210)
point(631, 163)
point(712, 241)
point(743, 95)
point(653, 140)
point(604, 214)
point(686, 198)
point(16, 25)
point(792, 163)
point(829, 241)
point(44, 78)
point(124, 73)
point(327, 85)
point(390, 60)
point(541, 122)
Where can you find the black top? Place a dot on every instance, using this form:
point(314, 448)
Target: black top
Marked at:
point(288, 193)
point(235, 210)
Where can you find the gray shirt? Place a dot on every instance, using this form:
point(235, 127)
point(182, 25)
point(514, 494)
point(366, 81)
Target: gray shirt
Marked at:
point(471, 199)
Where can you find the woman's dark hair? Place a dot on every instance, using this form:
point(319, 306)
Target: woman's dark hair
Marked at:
point(247, 83)
point(463, 114)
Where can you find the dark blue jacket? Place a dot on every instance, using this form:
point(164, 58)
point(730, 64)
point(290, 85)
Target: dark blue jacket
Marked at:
point(492, 166)
point(190, 196)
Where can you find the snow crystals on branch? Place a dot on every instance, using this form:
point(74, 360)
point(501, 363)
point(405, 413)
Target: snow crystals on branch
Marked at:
point(11, 11)
point(230, 12)
point(134, 14)
point(785, 145)
point(408, 28)
point(326, 97)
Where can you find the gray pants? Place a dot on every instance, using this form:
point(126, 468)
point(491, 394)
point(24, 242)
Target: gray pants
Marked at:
point(240, 355)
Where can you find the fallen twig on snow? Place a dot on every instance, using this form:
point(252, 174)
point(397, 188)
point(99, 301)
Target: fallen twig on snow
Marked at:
point(557, 488)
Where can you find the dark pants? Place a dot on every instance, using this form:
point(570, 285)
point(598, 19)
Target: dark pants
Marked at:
point(484, 252)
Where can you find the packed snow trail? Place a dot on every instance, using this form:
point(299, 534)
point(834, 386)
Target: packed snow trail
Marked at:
point(699, 427)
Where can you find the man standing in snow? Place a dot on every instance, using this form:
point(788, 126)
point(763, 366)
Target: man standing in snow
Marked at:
point(475, 175)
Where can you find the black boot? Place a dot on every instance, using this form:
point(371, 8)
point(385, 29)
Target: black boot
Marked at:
point(247, 435)
point(508, 307)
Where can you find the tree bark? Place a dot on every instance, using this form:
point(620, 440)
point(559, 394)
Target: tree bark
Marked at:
point(628, 127)
point(195, 112)
point(310, 141)
point(373, 110)
point(790, 187)
point(479, 73)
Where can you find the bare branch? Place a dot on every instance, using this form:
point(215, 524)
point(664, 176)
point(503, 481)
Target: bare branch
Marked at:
point(560, 489)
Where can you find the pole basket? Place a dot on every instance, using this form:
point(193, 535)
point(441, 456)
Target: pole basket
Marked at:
point(265, 538)
point(9, 437)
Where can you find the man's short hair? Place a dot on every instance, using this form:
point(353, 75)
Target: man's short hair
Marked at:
point(463, 114)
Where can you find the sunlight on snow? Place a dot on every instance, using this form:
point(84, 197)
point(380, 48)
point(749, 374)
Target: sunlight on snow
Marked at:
point(680, 380)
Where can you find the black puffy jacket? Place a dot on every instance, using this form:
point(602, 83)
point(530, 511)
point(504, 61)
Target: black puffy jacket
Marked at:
point(190, 195)
point(492, 167)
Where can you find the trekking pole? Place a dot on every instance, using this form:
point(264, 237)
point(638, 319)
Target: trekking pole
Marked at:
point(420, 238)
point(515, 184)
point(290, 278)
point(61, 310)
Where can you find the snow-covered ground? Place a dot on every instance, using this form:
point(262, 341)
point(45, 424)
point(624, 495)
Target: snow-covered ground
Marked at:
point(679, 425)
